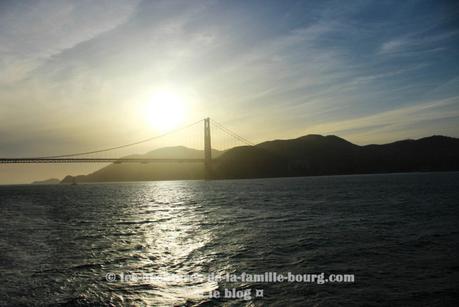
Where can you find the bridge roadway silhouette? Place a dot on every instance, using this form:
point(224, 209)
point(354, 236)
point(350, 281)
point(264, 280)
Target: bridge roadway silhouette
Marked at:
point(73, 158)
point(93, 160)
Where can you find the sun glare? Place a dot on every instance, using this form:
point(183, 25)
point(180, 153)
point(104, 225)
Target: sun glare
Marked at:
point(166, 110)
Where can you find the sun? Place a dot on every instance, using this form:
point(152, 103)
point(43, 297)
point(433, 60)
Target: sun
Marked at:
point(166, 110)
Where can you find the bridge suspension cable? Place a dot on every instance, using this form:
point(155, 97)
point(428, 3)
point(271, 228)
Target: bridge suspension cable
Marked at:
point(122, 146)
point(231, 133)
point(74, 157)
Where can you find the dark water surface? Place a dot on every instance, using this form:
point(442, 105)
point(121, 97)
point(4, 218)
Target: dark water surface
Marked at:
point(398, 233)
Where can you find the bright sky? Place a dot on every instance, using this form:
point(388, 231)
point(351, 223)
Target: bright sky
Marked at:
point(82, 75)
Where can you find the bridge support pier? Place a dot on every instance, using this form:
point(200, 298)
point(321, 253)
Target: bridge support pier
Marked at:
point(207, 150)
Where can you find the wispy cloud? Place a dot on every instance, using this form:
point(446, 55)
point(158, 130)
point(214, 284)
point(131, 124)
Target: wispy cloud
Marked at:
point(418, 42)
point(393, 121)
point(32, 32)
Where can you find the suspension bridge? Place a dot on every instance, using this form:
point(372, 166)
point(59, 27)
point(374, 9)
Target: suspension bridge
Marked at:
point(79, 157)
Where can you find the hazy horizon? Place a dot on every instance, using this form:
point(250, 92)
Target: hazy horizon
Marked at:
point(64, 170)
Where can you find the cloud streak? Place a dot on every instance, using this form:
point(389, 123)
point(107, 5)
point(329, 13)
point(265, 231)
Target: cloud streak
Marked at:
point(33, 32)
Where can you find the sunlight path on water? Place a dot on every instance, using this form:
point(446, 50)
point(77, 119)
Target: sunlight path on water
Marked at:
point(169, 221)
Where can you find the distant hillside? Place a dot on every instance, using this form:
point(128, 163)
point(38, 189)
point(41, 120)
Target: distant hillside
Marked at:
point(329, 155)
point(47, 181)
point(304, 156)
point(150, 171)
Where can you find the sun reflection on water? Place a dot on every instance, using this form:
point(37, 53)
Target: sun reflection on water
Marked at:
point(172, 237)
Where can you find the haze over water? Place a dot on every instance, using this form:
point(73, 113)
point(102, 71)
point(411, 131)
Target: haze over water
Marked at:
point(397, 233)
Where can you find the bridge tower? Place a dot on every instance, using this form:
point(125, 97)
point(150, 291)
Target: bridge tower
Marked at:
point(207, 150)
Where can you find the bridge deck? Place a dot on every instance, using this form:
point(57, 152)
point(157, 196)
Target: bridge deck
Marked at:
point(92, 160)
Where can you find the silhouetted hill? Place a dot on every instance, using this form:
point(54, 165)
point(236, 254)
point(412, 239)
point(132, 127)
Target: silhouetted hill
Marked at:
point(249, 162)
point(47, 181)
point(304, 156)
point(150, 171)
point(329, 155)
point(435, 153)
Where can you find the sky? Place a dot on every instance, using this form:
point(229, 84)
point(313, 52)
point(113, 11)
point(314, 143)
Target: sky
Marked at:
point(81, 75)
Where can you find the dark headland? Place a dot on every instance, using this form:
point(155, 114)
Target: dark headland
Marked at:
point(309, 155)
point(47, 181)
